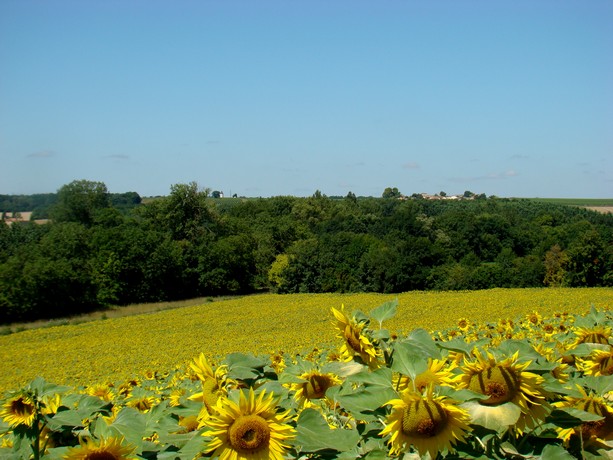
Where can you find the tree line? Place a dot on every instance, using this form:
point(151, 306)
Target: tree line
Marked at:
point(97, 251)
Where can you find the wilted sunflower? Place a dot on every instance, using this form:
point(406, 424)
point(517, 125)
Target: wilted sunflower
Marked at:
point(503, 382)
point(251, 429)
point(19, 410)
point(599, 362)
point(106, 449)
point(314, 386)
point(600, 430)
point(429, 423)
point(355, 343)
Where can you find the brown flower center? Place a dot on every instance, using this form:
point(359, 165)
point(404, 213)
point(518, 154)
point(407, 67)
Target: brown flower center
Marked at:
point(353, 338)
point(499, 383)
point(22, 408)
point(100, 456)
point(316, 387)
point(249, 434)
point(423, 419)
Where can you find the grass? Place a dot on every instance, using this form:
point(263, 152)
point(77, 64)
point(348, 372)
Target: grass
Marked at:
point(111, 312)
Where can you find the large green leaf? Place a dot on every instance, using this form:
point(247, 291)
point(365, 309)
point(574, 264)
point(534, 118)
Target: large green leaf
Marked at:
point(244, 367)
point(556, 452)
point(314, 434)
point(130, 424)
point(365, 392)
point(384, 312)
point(409, 360)
point(569, 417)
point(497, 418)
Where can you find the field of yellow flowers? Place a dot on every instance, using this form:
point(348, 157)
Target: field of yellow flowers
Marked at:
point(520, 374)
point(116, 349)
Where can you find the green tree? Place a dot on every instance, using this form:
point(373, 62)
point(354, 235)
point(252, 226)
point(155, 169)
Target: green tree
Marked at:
point(391, 192)
point(79, 202)
point(187, 213)
point(555, 263)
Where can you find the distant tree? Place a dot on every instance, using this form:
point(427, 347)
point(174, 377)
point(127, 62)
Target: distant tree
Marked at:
point(216, 194)
point(187, 211)
point(390, 192)
point(556, 261)
point(468, 194)
point(441, 193)
point(79, 201)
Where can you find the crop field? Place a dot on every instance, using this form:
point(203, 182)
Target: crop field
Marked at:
point(119, 348)
point(503, 373)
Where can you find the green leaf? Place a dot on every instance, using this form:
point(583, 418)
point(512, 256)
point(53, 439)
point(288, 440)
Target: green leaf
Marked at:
point(384, 312)
point(457, 345)
point(70, 418)
point(556, 452)
point(314, 434)
point(569, 417)
point(364, 392)
point(497, 418)
point(43, 388)
point(409, 360)
point(244, 367)
point(191, 449)
point(586, 349)
point(526, 351)
point(130, 424)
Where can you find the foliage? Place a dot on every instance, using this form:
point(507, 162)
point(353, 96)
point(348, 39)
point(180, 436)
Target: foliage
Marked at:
point(103, 249)
point(530, 387)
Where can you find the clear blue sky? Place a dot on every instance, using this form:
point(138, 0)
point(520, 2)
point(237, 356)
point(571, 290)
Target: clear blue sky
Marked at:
point(266, 98)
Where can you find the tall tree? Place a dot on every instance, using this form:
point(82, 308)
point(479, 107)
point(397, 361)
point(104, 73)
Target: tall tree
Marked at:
point(79, 202)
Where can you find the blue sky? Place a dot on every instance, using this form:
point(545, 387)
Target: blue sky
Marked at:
point(266, 98)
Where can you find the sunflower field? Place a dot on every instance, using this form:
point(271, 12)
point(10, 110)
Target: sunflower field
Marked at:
point(534, 383)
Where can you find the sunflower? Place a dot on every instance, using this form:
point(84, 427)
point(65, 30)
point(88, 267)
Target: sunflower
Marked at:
point(505, 381)
point(600, 430)
point(106, 449)
point(142, 403)
point(19, 410)
point(597, 334)
point(355, 343)
point(600, 362)
point(429, 423)
point(251, 429)
point(464, 324)
point(188, 423)
point(101, 391)
point(213, 383)
point(437, 373)
point(313, 386)
point(175, 397)
point(534, 318)
point(277, 362)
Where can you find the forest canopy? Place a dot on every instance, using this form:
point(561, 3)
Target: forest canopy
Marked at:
point(100, 249)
